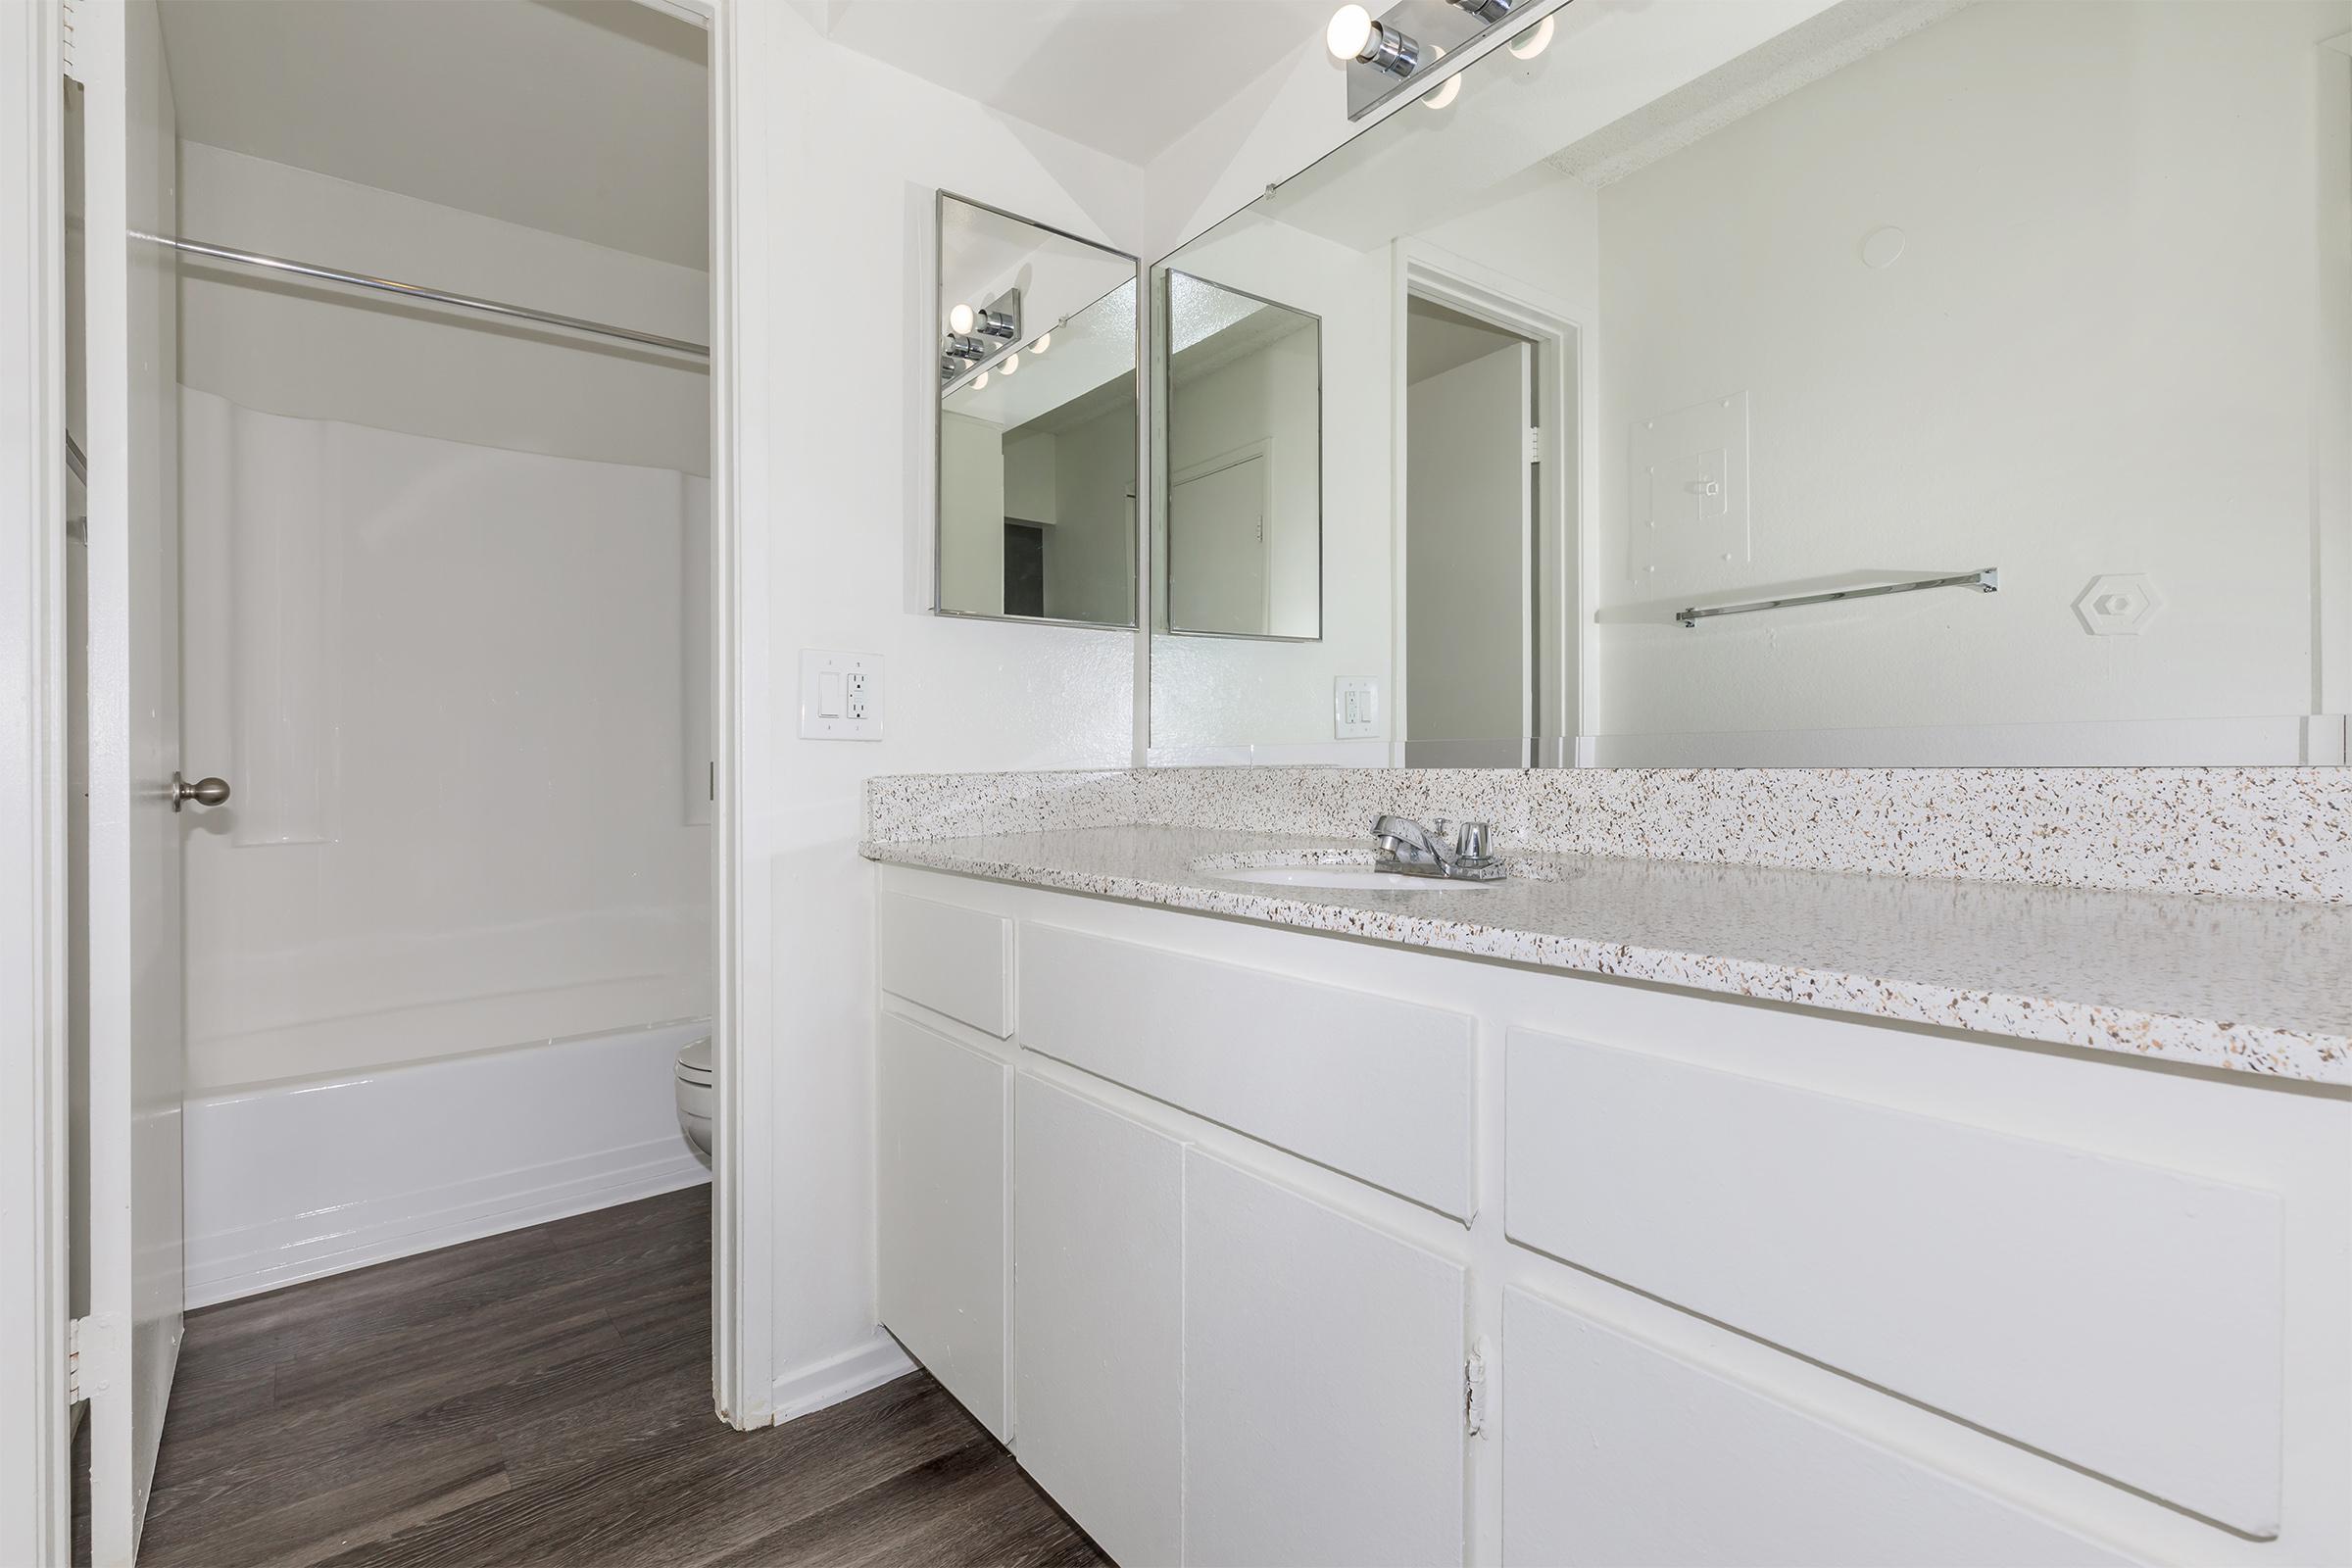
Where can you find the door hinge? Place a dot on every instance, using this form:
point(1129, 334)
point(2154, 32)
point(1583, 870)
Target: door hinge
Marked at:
point(1473, 1390)
point(68, 55)
point(74, 1328)
point(1534, 444)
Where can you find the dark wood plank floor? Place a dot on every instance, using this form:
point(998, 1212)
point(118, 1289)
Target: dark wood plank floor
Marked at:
point(543, 1397)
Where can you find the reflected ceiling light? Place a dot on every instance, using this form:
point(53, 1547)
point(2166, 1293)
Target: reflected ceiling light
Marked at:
point(1534, 41)
point(959, 320)
point(1446, 94)
point(1012, 362)
point(1355, 36)
point(1044, 341)
point(980, 380)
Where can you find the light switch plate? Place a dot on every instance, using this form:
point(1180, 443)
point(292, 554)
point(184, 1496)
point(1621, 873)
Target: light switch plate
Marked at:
point(841, 696)
point(1354, 708)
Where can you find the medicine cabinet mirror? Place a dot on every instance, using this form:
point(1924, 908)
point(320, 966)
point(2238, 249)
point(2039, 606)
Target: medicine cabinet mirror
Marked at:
point(1918, 385)
point(1241, 547)
point(1036, 425)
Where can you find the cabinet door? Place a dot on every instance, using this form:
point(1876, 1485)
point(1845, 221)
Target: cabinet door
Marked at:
point(1322, 1383)
point(940, 1207)
point(1097, 1265)
point(1618, 1455)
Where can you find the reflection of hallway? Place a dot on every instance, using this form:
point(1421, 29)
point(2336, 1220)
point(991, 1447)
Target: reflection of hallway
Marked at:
point(544, 1395)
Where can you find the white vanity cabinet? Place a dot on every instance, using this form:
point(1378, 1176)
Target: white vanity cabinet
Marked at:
point(1259, 1247)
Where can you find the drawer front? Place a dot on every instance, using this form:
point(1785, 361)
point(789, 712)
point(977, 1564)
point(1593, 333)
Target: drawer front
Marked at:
point(2124, 1317)
point(940, 1209)
point(951, 960)
point(1375, 1088)
point(1617, 1453)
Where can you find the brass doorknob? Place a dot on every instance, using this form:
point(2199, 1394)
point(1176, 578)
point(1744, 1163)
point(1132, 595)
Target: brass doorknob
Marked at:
point(204, 792)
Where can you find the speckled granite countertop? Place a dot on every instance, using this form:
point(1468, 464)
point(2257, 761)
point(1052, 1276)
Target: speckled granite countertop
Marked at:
point(2251, 986)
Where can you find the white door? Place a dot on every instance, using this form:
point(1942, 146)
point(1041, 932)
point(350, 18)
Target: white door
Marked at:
point(1469, 537)
point(133, 857)
point(1217, 550)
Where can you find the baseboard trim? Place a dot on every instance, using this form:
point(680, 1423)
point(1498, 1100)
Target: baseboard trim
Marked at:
point(836, 1378)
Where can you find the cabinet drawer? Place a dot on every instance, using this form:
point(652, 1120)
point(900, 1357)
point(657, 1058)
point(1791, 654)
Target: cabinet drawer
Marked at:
point(952, 960)
point(1373, 1087)
point(1617, 1453)
point(2125, 1318)
point(940, 1209)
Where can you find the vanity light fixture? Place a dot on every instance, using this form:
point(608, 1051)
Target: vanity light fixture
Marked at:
point(1044, 341)
point(1534, 41)
point(980, 380)
point(1355, 36)
point(1486, 10)
point(1446, 94)
point(998, 324)
point(1012, 362)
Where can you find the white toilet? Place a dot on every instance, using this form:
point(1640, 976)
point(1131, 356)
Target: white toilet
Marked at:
point(694, 1101)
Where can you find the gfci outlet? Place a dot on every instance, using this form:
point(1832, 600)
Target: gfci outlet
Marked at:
point(1354, 708)
point(841, 696)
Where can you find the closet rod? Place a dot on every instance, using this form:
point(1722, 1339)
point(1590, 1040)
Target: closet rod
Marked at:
point(521, 313)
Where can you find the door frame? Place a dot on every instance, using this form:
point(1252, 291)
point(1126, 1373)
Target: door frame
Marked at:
point(1567, 492)
point(36, 1460)
point(34, 1445)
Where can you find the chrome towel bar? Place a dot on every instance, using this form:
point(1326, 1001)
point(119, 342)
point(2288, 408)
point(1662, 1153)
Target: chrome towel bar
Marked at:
point(1985, 581)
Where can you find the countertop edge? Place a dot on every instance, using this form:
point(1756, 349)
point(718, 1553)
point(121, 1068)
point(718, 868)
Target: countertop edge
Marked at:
point(2255, 1051)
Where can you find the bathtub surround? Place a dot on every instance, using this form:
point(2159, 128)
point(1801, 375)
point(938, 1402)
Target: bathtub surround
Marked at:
point(2227, 832)
point(404, 652)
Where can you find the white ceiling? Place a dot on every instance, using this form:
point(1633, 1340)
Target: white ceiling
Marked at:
point(583, 118)
point(1127, 78)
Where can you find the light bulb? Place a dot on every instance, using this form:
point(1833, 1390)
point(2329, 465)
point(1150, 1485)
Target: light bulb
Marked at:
point(1446, 94)
point(1534, 41)
point(960, 318)
point(1349, 31)
point(1012, 362)
point(980, 380)
point(1044, 341)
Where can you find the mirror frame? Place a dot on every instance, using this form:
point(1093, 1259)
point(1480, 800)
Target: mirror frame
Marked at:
point(930, 372)
point(1163, 486)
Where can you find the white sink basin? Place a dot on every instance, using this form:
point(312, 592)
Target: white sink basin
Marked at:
point(1353, 877)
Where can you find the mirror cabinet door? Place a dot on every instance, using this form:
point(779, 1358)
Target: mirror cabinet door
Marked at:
point(1241, 532)
point(1038, 433)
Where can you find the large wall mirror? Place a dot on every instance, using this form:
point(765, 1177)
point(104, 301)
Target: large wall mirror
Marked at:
point(1934, 384)
point(1037, 421)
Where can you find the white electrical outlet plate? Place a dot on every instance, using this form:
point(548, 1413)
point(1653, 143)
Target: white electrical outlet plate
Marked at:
point(1354, 708)
point(841, 696)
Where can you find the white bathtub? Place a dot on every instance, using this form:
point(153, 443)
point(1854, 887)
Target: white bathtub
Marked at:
point(292, 1181)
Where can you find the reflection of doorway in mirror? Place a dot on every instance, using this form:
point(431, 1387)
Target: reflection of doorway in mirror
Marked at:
point(1024, 567)
point(1470, 549)
point(1219, 578)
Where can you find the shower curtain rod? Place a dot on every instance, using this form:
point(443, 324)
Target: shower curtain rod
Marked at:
point(467, 302)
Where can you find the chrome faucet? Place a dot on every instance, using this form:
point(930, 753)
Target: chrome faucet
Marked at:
point(1461, 850)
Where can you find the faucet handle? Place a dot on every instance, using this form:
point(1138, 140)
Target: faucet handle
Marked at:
point(1472, 839)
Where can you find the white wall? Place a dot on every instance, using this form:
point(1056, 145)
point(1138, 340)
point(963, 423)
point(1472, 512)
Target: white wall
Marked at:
point(2099, 354)
point(449, 686)
point(838, 184)
point(327, 353)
